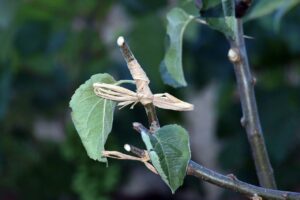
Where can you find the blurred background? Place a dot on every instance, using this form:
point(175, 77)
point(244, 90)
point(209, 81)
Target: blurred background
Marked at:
point(49, 47)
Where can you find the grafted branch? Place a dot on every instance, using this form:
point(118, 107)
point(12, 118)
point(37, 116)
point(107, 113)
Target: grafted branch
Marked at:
point(141, 80)
point(250, 120)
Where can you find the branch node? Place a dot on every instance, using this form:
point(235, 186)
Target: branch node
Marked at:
point(256, 133)
point(234, 55)
point(256, 197)
point(285, 196)
point(254, 80)
point(243, 121)
point(154, 126)
point(232, 177)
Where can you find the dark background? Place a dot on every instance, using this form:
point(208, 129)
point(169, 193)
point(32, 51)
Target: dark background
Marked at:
point(48, 48)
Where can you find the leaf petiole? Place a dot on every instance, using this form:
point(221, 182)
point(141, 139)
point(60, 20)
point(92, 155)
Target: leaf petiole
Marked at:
point(124, 82)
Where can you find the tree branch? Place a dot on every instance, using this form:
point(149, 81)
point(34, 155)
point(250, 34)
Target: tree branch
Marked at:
point(228, 182)
point(232, 183)
point(250, 119)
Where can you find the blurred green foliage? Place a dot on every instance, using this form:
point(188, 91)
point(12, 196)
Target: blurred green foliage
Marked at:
point(48, 48)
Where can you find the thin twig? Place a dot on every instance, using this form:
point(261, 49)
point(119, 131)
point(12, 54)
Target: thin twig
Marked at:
point(250, 119)
point(137, 151)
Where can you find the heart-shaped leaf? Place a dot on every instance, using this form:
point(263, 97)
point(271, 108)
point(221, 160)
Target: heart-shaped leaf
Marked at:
point(169, 151)
point(171, 66)
point(93, 116)
point(220, 15)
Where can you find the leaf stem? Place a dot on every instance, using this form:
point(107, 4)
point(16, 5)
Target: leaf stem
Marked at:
point(124, 82)
point(250, 120)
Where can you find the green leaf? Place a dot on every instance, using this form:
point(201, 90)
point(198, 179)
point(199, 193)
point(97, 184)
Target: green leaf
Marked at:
point(93, 116)
point(264, 7)
point(171, 66)
point(220, 15)
point(169, 151)
point(286, 7)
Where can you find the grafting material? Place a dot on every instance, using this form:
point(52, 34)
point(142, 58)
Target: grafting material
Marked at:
point(143, 94)
point(126, 97)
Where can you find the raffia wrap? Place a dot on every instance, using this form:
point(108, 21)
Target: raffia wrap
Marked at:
point(143, 93)
point(126, 97)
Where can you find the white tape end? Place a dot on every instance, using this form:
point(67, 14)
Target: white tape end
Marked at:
point(127, 147)
point(120, 41)
point(233, 55)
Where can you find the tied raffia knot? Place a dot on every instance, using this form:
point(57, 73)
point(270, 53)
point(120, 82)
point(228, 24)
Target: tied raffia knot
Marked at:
point(120, 94)
point(143, 93)
point(126, 97)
